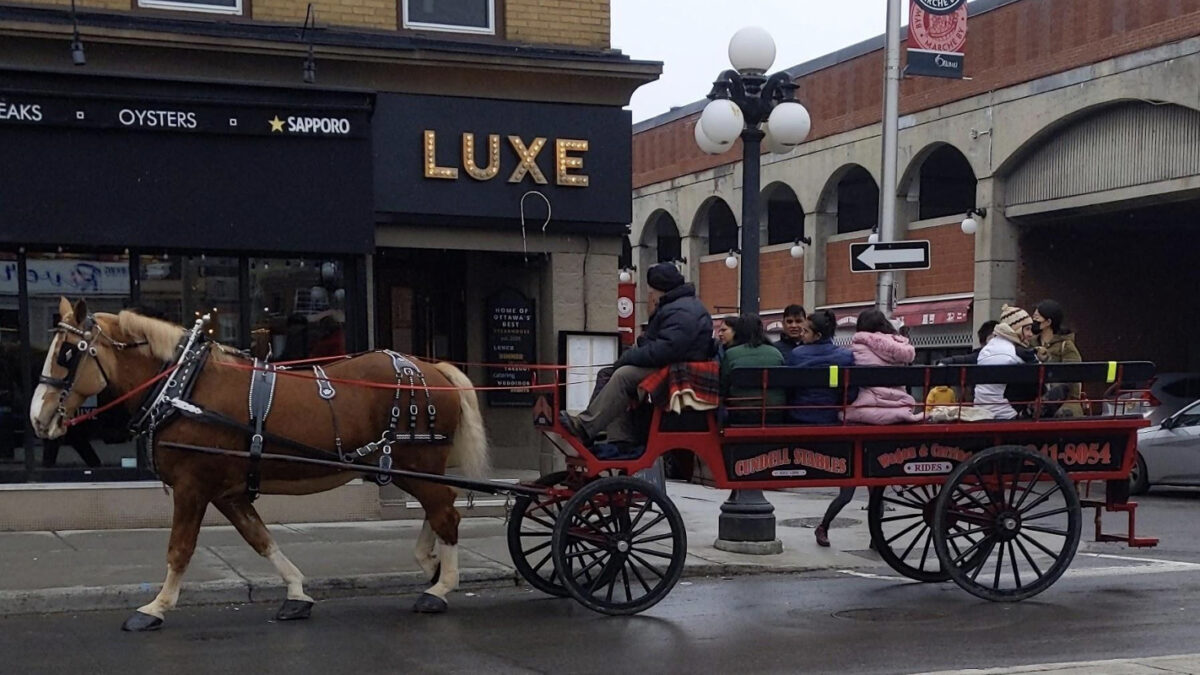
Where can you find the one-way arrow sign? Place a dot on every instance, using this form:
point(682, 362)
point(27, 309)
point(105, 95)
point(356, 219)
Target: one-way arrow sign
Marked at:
point(891, 255)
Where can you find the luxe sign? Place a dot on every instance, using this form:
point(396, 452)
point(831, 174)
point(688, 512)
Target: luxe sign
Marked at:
point(525, 156)
point(937, 37)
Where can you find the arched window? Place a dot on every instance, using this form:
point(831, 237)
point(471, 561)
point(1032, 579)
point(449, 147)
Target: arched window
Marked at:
point(947, 184)
point(858, 201)
point(785, 216)
point(722, 228)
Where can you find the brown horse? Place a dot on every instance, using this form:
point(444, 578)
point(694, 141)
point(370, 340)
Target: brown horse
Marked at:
point(91, 353)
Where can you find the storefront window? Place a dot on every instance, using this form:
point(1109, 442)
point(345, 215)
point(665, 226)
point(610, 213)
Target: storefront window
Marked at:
point(465, 16)
point(297, 307)
point(12, 403)
point(181, 289)
point(103, 282)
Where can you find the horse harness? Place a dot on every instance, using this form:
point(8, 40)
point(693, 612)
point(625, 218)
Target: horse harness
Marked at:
point(171, 398)
point(71, 357)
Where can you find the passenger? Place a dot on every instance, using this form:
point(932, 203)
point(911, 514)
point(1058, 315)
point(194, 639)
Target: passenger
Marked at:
point(679, 330)
point(1056, 344)
point(724, 337)
point(818, 351)
point(985, 332)
point(1009, 336)
point(748, 348)
point(876, 343)
point(794, 319)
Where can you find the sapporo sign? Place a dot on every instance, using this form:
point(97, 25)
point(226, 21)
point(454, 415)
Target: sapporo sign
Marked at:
point(164, 116)
point(937, 38)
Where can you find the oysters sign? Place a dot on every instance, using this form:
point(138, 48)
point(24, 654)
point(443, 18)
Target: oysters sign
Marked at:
point(937, 37)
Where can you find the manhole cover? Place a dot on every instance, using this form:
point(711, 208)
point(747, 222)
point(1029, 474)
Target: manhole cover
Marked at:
point(877, 614)
point(814, 522)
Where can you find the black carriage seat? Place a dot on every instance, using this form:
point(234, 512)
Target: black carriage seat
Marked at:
point(1125, 374)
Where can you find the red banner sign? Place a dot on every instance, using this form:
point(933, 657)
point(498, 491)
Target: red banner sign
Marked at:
point(626, 321)
point(937, 37)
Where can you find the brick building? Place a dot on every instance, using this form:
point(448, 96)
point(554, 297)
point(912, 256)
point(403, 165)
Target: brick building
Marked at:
point(1077, 131)
point(320, 177)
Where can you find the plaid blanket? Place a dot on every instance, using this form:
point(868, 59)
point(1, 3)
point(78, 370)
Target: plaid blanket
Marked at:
point(693, 385)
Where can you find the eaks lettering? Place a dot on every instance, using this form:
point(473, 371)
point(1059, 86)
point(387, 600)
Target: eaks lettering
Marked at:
point(21, 112)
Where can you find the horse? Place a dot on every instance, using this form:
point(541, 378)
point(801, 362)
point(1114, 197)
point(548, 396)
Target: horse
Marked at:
point(92, 353)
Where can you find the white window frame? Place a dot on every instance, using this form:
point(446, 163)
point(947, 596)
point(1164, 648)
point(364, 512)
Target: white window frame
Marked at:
point(448, 28)
point(237, 10)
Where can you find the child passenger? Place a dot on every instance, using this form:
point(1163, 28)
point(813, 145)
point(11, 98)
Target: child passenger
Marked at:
point(817, 350)
point(876, 343)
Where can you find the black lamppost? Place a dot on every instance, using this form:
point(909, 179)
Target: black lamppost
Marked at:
point(761, 110)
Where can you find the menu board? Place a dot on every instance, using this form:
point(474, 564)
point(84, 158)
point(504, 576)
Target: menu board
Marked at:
point(511, 329)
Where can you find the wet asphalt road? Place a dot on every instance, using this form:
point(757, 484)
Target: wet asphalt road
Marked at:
point(830, 622)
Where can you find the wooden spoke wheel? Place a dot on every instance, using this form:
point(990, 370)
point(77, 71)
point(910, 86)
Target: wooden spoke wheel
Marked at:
point(900, 519)
point(1007, 523)
point(619, 545)
point(531, 533)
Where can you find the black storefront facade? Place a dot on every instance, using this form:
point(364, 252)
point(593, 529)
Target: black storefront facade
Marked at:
point(498, 225)
point(251, 204)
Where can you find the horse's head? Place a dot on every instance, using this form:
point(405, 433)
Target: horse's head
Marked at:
point(78, 365)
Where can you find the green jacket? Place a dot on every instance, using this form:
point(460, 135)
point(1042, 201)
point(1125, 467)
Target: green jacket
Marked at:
point(745, 356)
point(1060, 348)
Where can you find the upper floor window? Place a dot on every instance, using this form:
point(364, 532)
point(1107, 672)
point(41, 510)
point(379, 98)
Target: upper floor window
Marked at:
point(235, 7)
point(459, 16)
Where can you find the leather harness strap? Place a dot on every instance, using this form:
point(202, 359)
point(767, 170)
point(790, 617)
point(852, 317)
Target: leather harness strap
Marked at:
point(262, 393)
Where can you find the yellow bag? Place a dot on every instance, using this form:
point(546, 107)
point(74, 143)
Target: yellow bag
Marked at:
point(940, 395)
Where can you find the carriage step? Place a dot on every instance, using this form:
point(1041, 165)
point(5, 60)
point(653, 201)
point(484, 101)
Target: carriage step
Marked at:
point(1130, 538)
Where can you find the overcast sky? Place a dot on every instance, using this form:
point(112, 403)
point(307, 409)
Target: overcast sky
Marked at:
point(691, 38)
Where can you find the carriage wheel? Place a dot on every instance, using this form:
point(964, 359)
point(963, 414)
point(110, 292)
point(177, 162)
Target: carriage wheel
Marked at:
point(619, 545)
point(1024, 514)
point(900, 519)
point(531, 533)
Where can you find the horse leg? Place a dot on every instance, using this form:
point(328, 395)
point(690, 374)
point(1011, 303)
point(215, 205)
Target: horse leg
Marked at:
point(442, 517)
point(246, 520)
point(424, 552)
point(185, 527)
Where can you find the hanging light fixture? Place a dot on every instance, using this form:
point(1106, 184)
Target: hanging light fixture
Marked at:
point(78, 57)
point(797, 249)
point(969, 224)
point(731, 260)
point(310, 65)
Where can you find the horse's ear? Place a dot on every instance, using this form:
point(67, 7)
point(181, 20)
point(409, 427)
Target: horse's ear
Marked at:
point(64, 308)
point(80, 311)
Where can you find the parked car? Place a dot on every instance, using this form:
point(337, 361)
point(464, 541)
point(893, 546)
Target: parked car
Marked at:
point(1169, 453)
point(1165, 395)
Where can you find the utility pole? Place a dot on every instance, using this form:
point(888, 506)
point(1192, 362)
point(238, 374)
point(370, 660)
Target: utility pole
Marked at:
point(885, 298)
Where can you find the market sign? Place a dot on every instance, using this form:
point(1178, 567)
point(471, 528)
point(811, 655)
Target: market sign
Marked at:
point(67, 277)
point(937, 38)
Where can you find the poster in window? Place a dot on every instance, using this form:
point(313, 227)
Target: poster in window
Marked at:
point(510, 331)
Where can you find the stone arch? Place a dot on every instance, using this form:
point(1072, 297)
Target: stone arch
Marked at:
point(1120, 144)
point(715, 223)
point(783, 214)
point(940, 181)
point(851, 194)
point(660, 237)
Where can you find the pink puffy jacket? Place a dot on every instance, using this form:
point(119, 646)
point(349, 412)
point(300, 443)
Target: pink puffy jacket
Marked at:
point(882, 405)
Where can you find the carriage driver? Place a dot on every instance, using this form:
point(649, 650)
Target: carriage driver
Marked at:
point(680, 329)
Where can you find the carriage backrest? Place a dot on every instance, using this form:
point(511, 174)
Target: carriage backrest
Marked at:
point(1127, 373)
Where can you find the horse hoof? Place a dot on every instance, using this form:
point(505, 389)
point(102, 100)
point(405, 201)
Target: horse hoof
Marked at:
point(294, 609)
point(429, 603)
point(437, 574)
point(141, 622)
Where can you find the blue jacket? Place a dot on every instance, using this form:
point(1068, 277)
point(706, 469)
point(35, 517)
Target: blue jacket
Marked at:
point(818, 354)
point(679, 330)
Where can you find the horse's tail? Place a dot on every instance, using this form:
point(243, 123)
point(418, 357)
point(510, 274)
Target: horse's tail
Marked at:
point(470, 449)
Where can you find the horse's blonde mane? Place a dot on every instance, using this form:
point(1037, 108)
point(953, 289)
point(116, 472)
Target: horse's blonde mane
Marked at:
point(162, 336)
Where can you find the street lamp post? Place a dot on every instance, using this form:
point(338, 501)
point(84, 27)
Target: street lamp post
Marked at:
point(760, 109)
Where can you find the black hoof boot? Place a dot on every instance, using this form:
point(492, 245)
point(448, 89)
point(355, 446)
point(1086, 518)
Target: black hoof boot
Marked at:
point(294, 609)
point(429, 604)
point(437, 574)
point(141, 622)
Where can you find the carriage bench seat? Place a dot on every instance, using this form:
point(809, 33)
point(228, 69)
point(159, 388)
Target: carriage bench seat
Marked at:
point(1122, 374)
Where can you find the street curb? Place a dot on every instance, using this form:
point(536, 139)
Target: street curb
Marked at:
point(271, 590)
point(236, 591)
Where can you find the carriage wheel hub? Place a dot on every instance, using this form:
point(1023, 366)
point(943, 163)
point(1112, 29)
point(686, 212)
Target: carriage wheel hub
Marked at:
point(1008, 525)
point(623, 546)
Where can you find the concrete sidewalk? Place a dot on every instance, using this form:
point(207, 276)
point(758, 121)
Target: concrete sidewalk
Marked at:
point(64, 571)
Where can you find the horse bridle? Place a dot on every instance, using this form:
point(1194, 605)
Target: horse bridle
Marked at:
point(71, 356)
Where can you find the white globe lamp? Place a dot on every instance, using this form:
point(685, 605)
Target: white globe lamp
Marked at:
point(708, 145)
point(731, 260)
point(970, 225)
point(771, 144)
point(722, 121)
point(874, 238)
point(797, 250)
point(752, 50)
point(625, 277)
point(789, 123)
point(319, 295)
